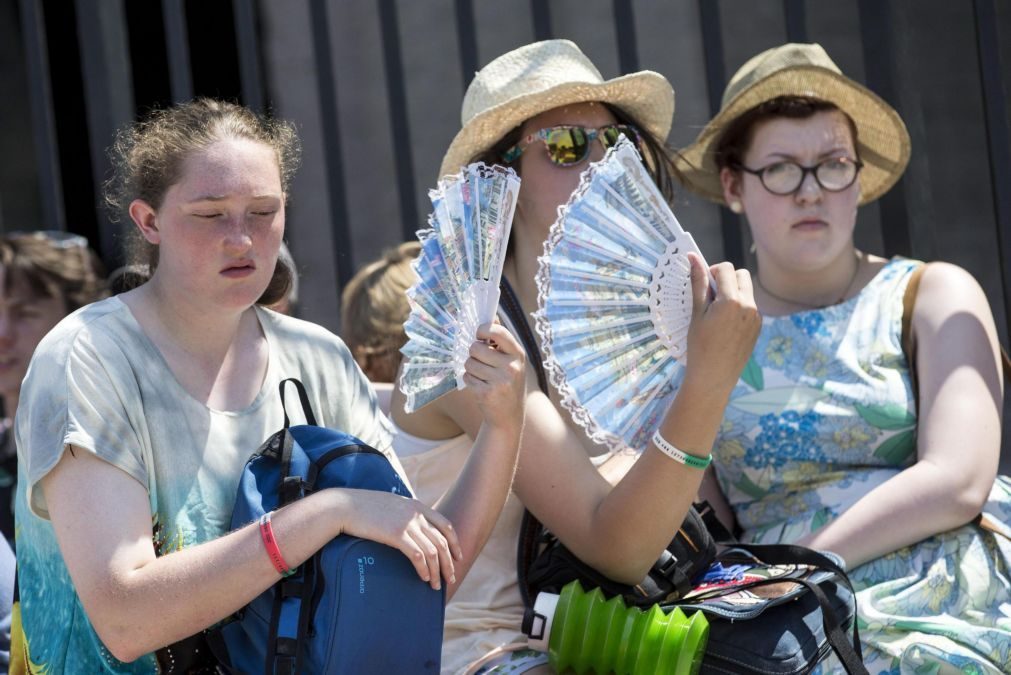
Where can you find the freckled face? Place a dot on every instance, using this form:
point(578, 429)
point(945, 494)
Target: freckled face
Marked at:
point(220, 227)
point(547, 186)
point(811, 227)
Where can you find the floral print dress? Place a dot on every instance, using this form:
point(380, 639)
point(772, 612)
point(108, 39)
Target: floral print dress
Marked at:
point(823, 413)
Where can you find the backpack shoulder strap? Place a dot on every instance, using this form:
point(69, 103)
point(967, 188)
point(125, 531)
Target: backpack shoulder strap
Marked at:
point(292, 487)
point(303, 398)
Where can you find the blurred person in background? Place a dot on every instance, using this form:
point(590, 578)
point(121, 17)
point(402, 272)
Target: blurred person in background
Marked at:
point(44, 276)
point(374, 308)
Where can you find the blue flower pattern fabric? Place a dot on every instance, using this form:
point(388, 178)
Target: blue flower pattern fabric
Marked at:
point(824, 412)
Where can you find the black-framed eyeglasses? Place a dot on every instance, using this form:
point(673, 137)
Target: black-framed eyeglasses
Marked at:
point(784, 178)
point(568, 145)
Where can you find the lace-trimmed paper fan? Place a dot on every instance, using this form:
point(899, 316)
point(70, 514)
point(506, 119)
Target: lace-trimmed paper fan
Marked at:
point(459, 269)
point(615, 298)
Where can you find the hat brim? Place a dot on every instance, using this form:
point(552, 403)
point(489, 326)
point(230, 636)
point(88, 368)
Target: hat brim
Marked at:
point(882, 139)
point(646, 96)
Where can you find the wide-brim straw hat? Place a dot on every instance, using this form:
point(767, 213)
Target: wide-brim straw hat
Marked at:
point(545, 75)
point(803, 70)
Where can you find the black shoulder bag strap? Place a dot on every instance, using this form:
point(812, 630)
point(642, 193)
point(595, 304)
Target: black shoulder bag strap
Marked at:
point(291, 487)
point(510, 304)
point(303, 398)
point(530, 528)
point(850, 654)
point(284, 657)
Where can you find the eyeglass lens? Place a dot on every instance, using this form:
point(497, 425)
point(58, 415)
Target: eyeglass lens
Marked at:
point(567, 146)
point(570, 145)
point(834, 174)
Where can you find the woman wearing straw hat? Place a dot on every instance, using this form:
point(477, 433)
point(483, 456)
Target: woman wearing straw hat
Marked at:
point(822, 444)
point(542, 109)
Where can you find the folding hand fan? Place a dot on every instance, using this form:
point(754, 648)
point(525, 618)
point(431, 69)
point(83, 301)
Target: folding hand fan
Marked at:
point(459, 269)
point(615, 298)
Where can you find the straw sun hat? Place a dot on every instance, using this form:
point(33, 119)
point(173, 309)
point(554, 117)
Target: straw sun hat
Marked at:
point(803, 70)
point(544, 75)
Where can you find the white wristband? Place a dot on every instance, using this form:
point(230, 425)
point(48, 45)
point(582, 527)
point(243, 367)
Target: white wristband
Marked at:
point(679, 455)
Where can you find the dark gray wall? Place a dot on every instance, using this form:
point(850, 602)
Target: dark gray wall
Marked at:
point(926, 55)
point(375, 88)
point(20, 198)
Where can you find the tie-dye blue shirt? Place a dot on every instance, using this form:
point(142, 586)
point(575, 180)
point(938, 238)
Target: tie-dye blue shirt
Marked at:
point(97, 382)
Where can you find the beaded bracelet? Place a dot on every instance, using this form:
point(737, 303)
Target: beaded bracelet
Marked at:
point(270, 543)
point(666, 448)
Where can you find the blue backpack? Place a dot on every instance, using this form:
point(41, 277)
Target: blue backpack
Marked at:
point(355, 606)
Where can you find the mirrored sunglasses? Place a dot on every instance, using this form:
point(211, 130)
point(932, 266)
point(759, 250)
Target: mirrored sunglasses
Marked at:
point(568, 145)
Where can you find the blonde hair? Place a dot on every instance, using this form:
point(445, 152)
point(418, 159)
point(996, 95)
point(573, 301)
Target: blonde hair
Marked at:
point(374, 308)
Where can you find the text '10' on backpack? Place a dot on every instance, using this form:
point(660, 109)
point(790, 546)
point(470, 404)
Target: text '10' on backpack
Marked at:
point(355, 606)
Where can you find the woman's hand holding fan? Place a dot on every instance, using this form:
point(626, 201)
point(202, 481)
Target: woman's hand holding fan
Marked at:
point(615, 296)
point(459, 268)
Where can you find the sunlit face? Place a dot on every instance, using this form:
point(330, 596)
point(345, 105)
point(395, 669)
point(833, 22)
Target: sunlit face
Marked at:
point(811, 227)
point(25, 318)
point(219, 229)
point(547, 186)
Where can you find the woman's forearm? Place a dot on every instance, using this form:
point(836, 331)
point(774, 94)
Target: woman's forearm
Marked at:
point(918, 503)
point(140, 609)
point(475, 500)
point(645, 509)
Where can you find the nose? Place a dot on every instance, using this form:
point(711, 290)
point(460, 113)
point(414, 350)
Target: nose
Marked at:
point(237, 236)
point(809, 191)
point(597, 150)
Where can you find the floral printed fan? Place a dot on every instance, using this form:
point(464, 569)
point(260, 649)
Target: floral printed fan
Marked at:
point(459, 269)
point(615, 298)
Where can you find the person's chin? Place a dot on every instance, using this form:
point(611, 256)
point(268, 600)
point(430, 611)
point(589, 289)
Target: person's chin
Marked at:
point(808, 253)
point(242, 298)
